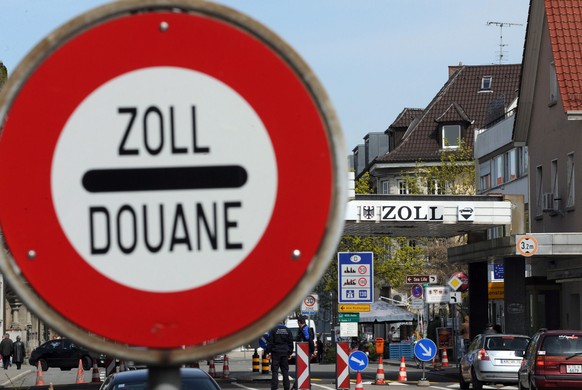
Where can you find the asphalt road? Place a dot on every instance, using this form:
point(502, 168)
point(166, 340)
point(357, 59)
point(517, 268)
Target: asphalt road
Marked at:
point(241, 376)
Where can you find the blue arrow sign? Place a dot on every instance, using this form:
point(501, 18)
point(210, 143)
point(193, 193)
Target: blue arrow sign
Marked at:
point(358, 361)
point(425, 350)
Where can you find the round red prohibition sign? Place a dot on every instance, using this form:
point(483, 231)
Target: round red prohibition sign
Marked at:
point(362, 282)
point(155, 163)
point(309, 300)
point(362, 269)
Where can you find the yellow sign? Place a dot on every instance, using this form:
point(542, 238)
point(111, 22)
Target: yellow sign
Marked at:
point(495, 290)
point(353, 307)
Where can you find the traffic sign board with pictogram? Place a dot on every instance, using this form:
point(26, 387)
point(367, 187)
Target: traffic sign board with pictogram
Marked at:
point(136, 183)
point(526, 245)
point(355, 277)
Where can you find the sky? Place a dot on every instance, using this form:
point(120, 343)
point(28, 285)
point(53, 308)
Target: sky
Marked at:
point(373, 57)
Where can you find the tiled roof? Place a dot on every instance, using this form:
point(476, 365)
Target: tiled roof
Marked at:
point(460, 99)
point(565, 26)
point(406, 117)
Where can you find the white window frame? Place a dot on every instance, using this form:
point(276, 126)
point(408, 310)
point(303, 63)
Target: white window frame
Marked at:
point(539, 190)
point(570, 177)
point(486, 83)
point(385, 187)
point(403, 187)
point(498, 171)
point(554, 178)
point(511, 162)
point(446, 141)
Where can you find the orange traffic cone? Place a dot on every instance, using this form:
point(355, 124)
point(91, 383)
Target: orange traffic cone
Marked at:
point(359, 384)
point(225, 368)
point(39, 378)
point(95, 374)
point(445, 358)
point(380, 372)
point(80, 373)
point(402, 373)
point(212, 369)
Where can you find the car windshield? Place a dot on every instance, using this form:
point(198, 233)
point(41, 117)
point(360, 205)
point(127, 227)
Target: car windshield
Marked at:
point(506, 343)
point(563, 344)
point(187, 383)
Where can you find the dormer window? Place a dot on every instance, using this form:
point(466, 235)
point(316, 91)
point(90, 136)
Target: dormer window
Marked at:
point(451, 136)
point(486, 83)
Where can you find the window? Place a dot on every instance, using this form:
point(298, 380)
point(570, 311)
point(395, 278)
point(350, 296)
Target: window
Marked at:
point(570, 178)
point(486, 82)
point(539, 188)
point(553, 98)
point(433, 187)
point(512, 165)
point(403, 187)
point(522, 160)
point(498, 170)
point(385, 187)
point(451, 136)
point(485, 182)
point(554, 178)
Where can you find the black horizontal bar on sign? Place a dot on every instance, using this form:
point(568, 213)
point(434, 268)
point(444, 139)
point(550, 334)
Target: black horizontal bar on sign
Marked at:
point(164, 179)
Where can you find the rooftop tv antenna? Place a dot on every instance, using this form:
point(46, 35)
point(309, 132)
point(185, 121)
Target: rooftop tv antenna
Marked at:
point(501, 25)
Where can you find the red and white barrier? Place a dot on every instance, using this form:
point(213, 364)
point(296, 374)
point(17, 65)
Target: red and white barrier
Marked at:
point(342, 368)
point(303, 378)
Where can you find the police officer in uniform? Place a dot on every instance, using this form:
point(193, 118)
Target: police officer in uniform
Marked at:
point(280, 346)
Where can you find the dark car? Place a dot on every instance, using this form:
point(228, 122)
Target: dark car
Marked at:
point(553, 360)
point(64, 354)
point(192, 379)
point(492, 358)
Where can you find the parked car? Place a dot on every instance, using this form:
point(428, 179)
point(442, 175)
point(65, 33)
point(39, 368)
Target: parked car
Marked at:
point(192, 379)
point(492, 359)
point(64, 354)
point(553, 359)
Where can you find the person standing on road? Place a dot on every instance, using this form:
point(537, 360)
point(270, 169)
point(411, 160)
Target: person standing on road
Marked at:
point(18, 352)
point(280, 346)
point(305, 334)
point(6, 350)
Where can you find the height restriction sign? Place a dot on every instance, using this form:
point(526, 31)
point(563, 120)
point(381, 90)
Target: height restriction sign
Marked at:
point(155, 155)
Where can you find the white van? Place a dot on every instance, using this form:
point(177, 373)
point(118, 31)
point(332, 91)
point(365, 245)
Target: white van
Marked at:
point(293, 326)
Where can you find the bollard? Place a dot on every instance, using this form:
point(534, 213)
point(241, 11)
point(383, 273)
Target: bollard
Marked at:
point(265, 365)
point(256, 362)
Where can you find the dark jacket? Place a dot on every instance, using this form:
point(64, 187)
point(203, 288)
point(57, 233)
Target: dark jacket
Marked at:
point(280, 340)
point(6, 347)
point(18, 351)
point(306, 334)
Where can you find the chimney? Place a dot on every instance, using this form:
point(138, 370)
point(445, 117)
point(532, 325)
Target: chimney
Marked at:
point(453, 69)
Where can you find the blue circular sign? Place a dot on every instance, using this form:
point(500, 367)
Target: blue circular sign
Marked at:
point(417, 291)
point(425, 350)
point(358, 361)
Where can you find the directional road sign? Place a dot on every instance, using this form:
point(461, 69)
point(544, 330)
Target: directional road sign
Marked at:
point(356, 277)
point(167, 175)
point(358, 361)
point(425, 350)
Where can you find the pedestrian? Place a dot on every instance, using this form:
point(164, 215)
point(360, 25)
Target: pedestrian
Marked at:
point(319, 349)
point(6, 350)
point(305, 334)
point(18, 352)
point(280, 346)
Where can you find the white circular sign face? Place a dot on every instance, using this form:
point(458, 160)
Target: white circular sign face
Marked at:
point(168, 173)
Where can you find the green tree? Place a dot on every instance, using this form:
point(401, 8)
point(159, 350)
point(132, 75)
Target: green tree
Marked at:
point(454, 175)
